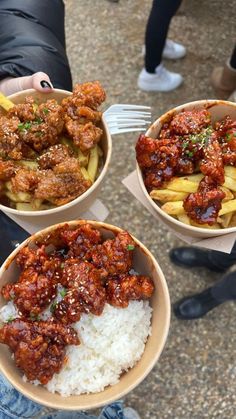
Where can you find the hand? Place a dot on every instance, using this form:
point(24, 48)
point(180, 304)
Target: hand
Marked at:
point(38, 81)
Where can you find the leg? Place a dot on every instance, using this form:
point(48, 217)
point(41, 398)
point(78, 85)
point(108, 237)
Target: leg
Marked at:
point(156, 32)
point(190, 257)
point(11, 236)
point(198, 305)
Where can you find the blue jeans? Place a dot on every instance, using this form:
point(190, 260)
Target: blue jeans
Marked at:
point(14, 405)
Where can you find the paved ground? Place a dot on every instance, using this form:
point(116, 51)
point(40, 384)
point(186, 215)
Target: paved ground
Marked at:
point(196, 375)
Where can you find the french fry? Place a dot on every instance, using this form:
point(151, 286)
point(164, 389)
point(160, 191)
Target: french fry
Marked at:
point(83, 158)
point(228, 194)
point(173, 208)
point(213, 227)
point(230, 183)
point(30, 164)
point(85, 173)
point(93, 163)
point(166, 195)
point(230, 171)
point(233, 221)
point(19, 196)
point(182, 184)
point(5, 103)
point(100, 152)
point(227, 207)
point(184, 219)
point(225, 219)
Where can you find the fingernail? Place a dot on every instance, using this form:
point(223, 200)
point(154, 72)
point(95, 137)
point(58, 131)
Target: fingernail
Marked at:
point(45, 84)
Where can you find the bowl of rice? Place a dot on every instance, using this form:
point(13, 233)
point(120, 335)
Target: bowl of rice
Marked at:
point(194, 128)
point(107, 353)
point(65, 188)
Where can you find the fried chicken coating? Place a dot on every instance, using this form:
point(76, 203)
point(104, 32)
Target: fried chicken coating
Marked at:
point(54, 155)
point(90, 94)
point(204, 206)
point(63, 183)
point(190, 122)
point(25, 180)
point(212, 164)
point(32, 294)
point(86, 293)
point(43, 131)
point(10, 142)
point(7, 169)
point(40, 261)
point(115, 256)
point(24, 111)
point(38, 347)
point(85, 136)
point(120, 290)
point(81, 241)
point(159, 158)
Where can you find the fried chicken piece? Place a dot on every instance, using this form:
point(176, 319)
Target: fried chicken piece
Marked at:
point(90, 94)
point(156, 153)
point(226, 124)
point(86, 293)
point(54, 155)
point(24, 111)
point(114, 256)
point(44, 130)
point(32, 294)
point(84, 136)
point(121, 290)
point(7, 170)
point(10, 142)
point(25, 180)
point(204, 206)
point(81, 241)
point(64, 182)
point(38, 347)
point(190, 122)
point(185, 166)
point(50, 265)
point(229, 147)
point(212, 163)
point(154, 177)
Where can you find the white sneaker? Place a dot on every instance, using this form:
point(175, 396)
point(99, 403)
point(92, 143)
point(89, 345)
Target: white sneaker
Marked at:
point(130, 413)
point(173, 50)
point(162, 80)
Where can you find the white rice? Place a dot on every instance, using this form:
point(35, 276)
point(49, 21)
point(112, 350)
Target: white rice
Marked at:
point(110, 344)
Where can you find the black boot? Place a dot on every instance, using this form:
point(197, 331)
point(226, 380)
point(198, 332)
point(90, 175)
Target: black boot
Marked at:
point(198, 305)
point(191, 257)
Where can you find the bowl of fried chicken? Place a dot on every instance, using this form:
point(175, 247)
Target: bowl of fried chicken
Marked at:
point(84, 315)
point(186, 166)
point(55, 149)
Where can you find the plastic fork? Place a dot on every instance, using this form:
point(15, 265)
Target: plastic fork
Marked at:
point(122, 118)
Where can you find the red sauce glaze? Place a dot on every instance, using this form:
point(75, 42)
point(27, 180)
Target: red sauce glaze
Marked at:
point(88, 271)
point(189, 143)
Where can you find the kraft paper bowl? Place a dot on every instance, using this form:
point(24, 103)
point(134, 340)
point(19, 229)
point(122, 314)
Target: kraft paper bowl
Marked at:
point(144, 263)
point(72, 210)
point(218, 109)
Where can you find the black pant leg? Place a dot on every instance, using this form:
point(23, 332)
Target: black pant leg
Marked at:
point(156, 31)
point(225, 289)
point(223, 260)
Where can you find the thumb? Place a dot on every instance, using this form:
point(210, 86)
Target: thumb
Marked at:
point(38, 81)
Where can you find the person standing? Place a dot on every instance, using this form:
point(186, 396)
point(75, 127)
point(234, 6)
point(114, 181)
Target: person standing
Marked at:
point(154, 76)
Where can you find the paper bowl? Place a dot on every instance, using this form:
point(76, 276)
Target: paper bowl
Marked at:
point(71, 210)
point(145, 263)
point(218, 109)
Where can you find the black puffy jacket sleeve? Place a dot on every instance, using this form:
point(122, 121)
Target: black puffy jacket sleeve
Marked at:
point(32, 38)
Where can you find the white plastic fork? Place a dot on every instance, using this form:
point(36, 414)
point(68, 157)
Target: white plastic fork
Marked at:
point(123, 118)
